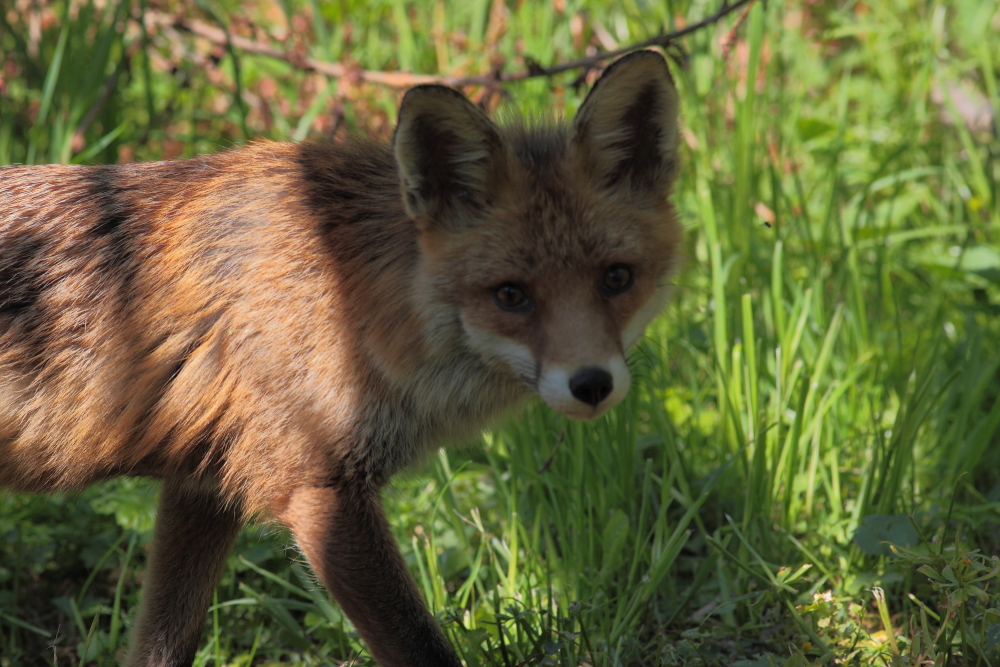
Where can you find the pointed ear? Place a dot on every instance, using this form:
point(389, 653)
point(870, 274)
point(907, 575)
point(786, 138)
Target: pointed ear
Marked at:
point(626, 131)
point(451, 157)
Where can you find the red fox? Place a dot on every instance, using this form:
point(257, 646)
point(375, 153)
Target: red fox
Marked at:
point(275, 331)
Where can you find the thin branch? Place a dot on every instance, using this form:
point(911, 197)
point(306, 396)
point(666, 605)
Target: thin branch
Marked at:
point(552, 456)
point(730, 41)
point(407, 79)
point(590, 61)
point(332, 70)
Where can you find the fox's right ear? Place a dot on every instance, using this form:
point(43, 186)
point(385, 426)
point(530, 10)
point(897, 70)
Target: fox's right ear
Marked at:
point(625, 133)
point(451, 157)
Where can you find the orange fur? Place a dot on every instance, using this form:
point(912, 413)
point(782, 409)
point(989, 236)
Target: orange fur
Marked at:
point(279, 329)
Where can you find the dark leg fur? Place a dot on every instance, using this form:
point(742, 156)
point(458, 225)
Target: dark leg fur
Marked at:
point(344, 534)
point(193, 536)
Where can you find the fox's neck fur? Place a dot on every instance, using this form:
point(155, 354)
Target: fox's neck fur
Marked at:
point(415, 345)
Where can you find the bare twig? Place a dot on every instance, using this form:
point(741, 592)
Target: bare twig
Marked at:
point(408, 79)
point(730, 40)
point(552, 456)
point(332, 70)
point(591, 61)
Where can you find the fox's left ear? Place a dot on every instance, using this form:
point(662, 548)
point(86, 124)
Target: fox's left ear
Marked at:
point(451, 157)
point(626, 131)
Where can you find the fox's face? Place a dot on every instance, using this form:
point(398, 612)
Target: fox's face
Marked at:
point(552, 247)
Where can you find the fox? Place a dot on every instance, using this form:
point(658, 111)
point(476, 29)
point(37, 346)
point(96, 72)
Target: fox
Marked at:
point(274, 331)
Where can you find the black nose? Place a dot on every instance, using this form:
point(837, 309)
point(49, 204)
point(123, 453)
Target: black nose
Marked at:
point(591, 385)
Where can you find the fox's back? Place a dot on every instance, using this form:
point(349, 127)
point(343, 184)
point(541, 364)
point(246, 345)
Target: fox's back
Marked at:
point(142, 306)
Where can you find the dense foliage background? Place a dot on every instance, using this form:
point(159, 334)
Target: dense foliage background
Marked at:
point(825, 382)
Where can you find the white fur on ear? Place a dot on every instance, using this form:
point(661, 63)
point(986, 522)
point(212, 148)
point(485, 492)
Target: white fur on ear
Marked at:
point(451, 157)
point(626, 130)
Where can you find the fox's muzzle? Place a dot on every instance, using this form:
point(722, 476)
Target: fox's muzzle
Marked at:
point(586, 391)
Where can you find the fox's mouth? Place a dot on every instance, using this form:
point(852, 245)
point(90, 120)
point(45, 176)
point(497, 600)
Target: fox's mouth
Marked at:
point(585, 414)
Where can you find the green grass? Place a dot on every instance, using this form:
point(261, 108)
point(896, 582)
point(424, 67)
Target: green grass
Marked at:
point(815, 383)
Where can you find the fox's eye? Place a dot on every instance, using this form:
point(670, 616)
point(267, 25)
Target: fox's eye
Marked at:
point(617, 279)
point(512, 297)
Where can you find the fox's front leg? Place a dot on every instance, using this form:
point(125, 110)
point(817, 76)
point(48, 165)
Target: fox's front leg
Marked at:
point(194, 533)
point(344, 534)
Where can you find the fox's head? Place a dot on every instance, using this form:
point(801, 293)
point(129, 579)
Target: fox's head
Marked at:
point(551, 246)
